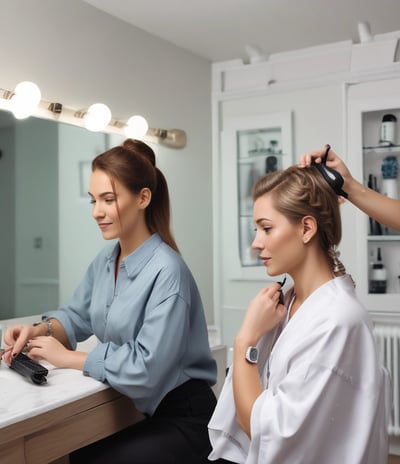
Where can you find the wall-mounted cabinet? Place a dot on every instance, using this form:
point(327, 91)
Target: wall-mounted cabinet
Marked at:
point(376, 161)
point(311, 86)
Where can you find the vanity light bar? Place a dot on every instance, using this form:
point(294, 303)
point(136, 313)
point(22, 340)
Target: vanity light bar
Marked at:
point(135, 127)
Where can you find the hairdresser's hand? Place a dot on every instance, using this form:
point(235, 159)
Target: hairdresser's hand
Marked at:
point(263, 314)
point(333, 161)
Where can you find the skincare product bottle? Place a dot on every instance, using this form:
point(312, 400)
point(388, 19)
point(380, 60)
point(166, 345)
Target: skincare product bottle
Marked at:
point(389, 183)
point(378, 280)
point(388, 130)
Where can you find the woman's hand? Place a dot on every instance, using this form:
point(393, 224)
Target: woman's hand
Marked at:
point(332, 161)
point(53, 351)
point(48, 349)
point(264, 313)
point(16, 339)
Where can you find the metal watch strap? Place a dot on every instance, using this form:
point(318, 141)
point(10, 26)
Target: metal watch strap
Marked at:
point(49, 326)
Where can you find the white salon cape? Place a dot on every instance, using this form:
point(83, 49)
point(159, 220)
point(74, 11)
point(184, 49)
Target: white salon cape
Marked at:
point(326, 398)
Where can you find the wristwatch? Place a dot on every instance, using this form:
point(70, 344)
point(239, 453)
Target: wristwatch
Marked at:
point(49, 326)
point(252, 354)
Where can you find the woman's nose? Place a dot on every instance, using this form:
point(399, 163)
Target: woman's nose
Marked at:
point(257, 243)
point(97, 211)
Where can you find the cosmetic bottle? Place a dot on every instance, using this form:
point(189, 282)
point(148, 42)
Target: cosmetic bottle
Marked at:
point(389, 170)
point(378, 280)
point(389, 184)
point(388, 130)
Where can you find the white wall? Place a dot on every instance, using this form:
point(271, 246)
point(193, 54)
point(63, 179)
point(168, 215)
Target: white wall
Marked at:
point(78, 56)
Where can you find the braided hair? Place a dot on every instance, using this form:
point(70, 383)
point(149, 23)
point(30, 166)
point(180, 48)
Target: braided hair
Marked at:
point(299, 192)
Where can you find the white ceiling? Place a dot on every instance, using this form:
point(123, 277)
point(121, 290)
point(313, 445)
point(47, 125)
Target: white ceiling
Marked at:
point(219, 30)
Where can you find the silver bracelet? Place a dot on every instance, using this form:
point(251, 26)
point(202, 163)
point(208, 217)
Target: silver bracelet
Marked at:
point(50, 330)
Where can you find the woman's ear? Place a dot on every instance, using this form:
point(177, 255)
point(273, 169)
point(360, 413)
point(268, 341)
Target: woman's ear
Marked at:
point(310, 228)
point(144, 198)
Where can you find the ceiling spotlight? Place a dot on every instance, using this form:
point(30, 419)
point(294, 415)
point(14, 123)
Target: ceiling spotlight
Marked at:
point(364, 32)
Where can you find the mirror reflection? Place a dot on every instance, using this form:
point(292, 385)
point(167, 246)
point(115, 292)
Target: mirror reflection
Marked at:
point(31, 158)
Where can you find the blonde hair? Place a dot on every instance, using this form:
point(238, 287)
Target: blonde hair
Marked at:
point(299, 192)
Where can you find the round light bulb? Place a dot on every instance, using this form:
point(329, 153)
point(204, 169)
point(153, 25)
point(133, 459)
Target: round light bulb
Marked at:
point(97, 117)
point(136, 127)
point(26, 98)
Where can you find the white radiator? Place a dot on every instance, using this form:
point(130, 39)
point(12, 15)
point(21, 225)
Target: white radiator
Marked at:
point(388, 345)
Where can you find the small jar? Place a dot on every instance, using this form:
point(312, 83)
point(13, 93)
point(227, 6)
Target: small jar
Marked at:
point(388, 129)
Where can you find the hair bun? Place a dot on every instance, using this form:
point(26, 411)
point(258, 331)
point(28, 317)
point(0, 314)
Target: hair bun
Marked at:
point(140, 148)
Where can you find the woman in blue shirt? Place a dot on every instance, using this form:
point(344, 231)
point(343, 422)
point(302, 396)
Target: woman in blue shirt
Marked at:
point(141, 301)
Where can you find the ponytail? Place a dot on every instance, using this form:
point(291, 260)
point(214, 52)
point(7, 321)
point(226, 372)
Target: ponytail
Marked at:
point(134, 165)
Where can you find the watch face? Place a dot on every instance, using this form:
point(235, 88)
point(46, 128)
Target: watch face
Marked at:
point(252, 354)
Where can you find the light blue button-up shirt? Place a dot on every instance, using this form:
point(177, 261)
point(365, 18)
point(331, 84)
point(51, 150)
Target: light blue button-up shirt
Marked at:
point(150, 323)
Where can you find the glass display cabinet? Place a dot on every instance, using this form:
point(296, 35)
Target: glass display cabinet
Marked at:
point(259, 151)
point(252, 147)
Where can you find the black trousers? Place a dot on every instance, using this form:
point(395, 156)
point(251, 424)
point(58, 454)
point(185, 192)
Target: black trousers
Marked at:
point(176, 434)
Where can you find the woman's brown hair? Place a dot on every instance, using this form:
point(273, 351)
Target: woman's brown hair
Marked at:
point(134, 165)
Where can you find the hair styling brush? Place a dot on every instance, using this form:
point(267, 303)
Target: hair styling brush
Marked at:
point(332, 177)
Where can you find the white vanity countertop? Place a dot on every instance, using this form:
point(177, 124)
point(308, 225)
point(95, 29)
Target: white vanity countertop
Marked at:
point(21, 399)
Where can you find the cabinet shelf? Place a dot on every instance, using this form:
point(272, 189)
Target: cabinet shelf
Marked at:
point(383, 238)
point(257, 155)
point(381, 150)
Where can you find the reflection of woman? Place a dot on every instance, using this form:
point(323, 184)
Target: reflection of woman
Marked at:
point(383, 209)
point(317, 393)
point(140, 299)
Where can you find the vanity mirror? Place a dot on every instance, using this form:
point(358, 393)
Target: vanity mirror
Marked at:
point(36, 157)
point(47, 235)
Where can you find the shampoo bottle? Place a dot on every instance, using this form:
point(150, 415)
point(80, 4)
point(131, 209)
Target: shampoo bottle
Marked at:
point(378, 279)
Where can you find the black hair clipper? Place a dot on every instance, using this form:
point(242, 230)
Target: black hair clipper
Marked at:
point(29, 368)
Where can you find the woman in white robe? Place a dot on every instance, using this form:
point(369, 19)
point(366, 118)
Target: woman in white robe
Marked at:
point(317, 394)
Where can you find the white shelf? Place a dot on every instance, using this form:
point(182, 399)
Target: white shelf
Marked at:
point(383, 238)
point(381, 150)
